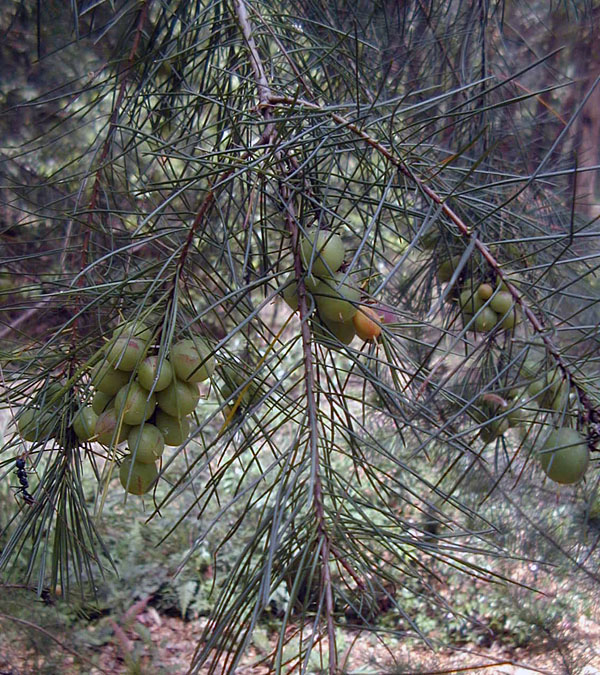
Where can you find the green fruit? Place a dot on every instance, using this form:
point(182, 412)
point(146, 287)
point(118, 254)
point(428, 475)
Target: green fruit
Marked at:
point(174, 430)
point(290, 292)
point(134, 403)
point(125, 353)
point(327, 254)
point(311, 283)
point(493, 429)
point(150, 376)
point(52, 397)
point(565, 456)
point(178, 399)
point(447, 268)
point(469, 301)
point(35, 426)
point(502, 302)
point(106, 427)
point(84, 423)
point(133, 329)
point(101, 402)
point(344, 332)
point(509, 320)
point(485, 291)
point(137, 478)
point(108, 380)
point(523, 411)
point(536, 387)
point(503, 288)
point(336, 301)
point(531, 368)
point(556, 395)
point(145, 443)
point(192, 360)
point(485, 320)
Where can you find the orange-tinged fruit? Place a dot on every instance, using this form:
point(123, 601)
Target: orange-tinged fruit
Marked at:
point(106, 426)
point(485, 291)
point(367, 323)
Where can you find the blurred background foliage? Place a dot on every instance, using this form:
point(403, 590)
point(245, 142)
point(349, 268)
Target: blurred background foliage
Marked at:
point(158, 161)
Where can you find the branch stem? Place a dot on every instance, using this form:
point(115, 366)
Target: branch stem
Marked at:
point(264, 97)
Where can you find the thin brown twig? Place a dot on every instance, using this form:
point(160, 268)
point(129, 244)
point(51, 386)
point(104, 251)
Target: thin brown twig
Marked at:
point(112, 126)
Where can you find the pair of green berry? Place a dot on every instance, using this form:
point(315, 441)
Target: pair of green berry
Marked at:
point(564, 454)
point(336, 299)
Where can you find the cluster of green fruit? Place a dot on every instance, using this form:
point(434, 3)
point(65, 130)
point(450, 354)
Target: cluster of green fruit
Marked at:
point(137, 396)
point(337, 301)
point(483, 306)
point(550, 390)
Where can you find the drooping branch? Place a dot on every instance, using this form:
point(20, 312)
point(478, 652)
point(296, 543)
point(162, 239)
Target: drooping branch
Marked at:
point(264, 96)
point(465, 231)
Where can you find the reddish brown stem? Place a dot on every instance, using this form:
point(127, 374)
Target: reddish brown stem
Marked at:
point(112, 125)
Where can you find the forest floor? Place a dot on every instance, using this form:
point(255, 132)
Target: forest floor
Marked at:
point(152, 644)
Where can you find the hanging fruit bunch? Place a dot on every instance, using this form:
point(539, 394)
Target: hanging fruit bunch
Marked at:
point(138, 394)
point(484, 304)
point(339, 312)
point(484, 307)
